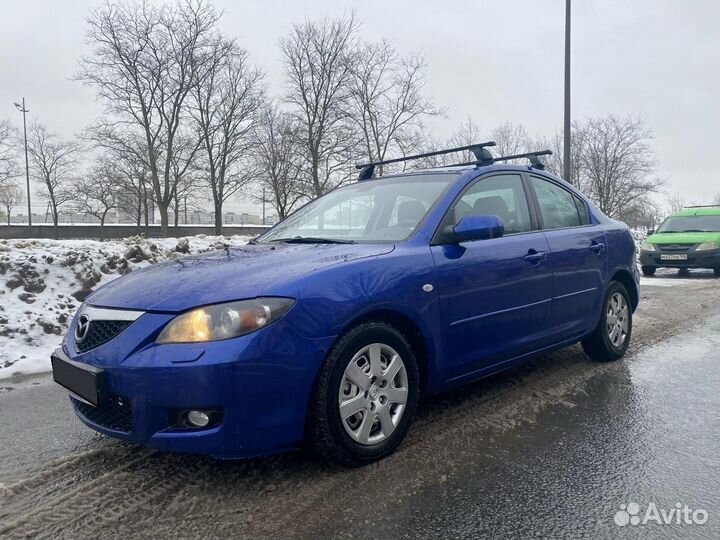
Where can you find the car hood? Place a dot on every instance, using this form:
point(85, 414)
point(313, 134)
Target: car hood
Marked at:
point(221, 276)
point(684, 238)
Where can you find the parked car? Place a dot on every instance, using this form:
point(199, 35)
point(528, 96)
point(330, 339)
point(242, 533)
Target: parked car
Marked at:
point(686, 239)
point(330, 327)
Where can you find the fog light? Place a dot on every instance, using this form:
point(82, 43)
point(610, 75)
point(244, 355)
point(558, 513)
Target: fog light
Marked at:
point(198, 418)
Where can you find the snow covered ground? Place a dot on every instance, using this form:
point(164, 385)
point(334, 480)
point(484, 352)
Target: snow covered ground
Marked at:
point(43, 282)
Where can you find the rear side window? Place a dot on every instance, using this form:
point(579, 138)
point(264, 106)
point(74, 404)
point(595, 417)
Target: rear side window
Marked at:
point(582, 210)
point(558, 207)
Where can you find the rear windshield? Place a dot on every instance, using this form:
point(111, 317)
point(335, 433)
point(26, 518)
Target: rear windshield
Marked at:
point(690, 224)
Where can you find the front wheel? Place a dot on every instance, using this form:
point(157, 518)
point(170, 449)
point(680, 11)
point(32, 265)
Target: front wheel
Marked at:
point(611, 337)
point(365, 397)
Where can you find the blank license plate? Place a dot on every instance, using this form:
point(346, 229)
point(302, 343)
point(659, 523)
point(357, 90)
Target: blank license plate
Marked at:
point(81, 382)
point(674, 257)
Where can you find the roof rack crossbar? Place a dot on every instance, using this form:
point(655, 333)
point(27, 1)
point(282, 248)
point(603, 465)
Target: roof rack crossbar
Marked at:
point(368, 169)
point(532, 156)
point(703, 206)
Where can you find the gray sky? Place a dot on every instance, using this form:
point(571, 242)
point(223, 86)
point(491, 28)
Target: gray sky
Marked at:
point(488, 60)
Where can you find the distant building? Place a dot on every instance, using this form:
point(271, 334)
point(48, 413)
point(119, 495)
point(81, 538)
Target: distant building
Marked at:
point(243, 218)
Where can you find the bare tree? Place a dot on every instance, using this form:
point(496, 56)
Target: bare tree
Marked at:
point(554, 163)
point(318, 58)
point(7, 151)
point(143, 67)
point(183, 170)
point(643, 213)
point(468, 133)
point(10, 196)
point(228, 100)
point(133, 193)
point(53, 163)
point(128, 152)
point(676, 202)
point(511, 139)
point(277, 161)
point(386, 102)
point(98, 192)
point(616, 162)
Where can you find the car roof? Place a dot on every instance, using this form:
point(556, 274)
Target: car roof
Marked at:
point(698, 211)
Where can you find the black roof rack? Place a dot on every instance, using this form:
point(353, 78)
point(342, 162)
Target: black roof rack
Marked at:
point(367, 170)
point(703, 206)
point(534, 158)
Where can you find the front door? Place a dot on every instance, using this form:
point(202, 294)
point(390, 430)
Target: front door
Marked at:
point(494, 294)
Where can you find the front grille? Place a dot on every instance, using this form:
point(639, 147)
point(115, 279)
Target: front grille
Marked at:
point(100, 332)
point(674, 248)
point(114, 412)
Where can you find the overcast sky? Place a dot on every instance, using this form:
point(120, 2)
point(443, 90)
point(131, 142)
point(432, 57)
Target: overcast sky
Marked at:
point(489, 60)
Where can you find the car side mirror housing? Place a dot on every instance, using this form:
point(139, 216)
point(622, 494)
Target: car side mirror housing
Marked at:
point(478, 228)
point(651, 232)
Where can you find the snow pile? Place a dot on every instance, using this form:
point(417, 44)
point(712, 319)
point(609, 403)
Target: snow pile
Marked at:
point(43, 282)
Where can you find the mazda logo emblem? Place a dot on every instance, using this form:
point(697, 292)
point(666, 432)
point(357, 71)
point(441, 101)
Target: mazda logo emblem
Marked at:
point(82, 328)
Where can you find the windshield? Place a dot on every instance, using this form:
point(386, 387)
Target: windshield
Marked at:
point(679, 224)
point(384, 210)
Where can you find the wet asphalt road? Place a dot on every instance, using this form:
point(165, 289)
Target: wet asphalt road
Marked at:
point(550, 450)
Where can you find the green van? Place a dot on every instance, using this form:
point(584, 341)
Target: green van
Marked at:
point(686, 239)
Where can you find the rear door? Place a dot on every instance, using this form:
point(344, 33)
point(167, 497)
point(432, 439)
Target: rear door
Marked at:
point(577, 256)
point(495, 293)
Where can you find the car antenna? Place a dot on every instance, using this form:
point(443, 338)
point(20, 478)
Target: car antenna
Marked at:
point(367, 170)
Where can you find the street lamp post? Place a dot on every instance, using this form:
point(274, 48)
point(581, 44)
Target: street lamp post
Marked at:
point(24, 111)
point(567, 124)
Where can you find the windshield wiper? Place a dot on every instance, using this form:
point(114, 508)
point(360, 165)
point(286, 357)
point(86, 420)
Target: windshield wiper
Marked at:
point(694, 230)
point(312, 240)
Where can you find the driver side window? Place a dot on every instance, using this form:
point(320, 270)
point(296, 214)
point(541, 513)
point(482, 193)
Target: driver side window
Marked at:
point(501, 195)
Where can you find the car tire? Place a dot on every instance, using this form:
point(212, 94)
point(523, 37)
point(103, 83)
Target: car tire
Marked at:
point(329, 433)
point(717, 271)
point(604, 345)
point(648, 270)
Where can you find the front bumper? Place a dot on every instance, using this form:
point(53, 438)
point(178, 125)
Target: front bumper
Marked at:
point(695, 259)
point(261, 383)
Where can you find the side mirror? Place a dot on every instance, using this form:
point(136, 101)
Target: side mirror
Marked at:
point(650, 231)
point(478, 228)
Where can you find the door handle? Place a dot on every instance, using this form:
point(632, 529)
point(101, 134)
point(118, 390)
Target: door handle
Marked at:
point(597, 247)
point(534, 257)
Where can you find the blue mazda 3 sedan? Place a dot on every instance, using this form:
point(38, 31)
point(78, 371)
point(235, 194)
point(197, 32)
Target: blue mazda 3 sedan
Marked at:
point(331, 326)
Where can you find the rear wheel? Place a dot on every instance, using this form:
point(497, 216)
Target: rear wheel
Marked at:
point(648, 270)
point(366, 396)
point(717, 272)
point(611, 337)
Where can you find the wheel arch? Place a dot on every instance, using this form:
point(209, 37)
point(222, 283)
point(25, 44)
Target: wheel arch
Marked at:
point(409, 328)
point(626, 278)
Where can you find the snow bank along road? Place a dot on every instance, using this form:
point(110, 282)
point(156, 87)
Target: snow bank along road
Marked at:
point(42, 283)
point(550, 449)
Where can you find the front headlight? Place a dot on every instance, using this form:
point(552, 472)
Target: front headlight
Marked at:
point(707, 245)
point(647, 246)
point(223, 321)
